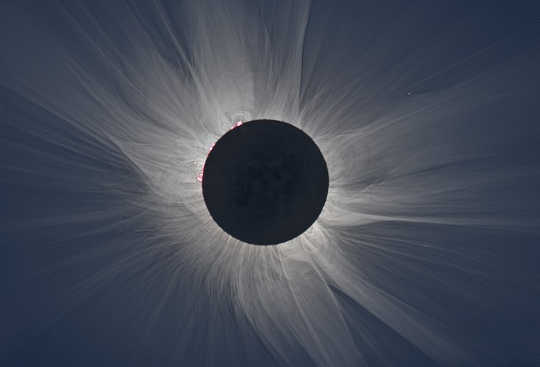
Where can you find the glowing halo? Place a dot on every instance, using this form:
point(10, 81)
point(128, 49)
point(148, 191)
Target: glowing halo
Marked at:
point(110, 115)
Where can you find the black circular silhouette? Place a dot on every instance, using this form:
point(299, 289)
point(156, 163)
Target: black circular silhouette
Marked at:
point(265, 182)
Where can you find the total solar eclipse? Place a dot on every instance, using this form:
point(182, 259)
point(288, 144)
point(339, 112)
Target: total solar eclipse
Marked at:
point(265, 182)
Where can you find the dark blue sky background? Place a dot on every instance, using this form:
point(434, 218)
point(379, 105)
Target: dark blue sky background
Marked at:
point(429, 46)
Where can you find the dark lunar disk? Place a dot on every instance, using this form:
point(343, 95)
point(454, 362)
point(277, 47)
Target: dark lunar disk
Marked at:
point(265, 182)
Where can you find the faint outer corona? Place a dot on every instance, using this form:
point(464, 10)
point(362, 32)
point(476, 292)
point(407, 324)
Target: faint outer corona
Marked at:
point(265, 182)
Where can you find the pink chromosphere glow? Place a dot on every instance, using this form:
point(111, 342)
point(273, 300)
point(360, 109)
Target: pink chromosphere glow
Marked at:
point(200, 175)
